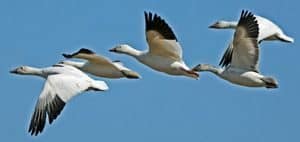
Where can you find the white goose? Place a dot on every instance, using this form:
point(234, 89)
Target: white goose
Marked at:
point(63, 82)
point(267, 29)
point(99, 66)
point(241, 66)
point(165, 53)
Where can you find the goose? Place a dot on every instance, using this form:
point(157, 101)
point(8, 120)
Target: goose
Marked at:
point(99, 66)
point(63, 82)
point(165, 52)
point(241, 66)
point(267, 29)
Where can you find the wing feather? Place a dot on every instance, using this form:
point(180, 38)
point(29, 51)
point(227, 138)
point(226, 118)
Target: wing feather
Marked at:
point(243, 51)
point(58, 90)
point(89, 55)
point(160, 37)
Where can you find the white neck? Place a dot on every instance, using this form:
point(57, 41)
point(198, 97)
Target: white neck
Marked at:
point(132, 52)
point(34, 71)
point(230, 24)
point(210, 68)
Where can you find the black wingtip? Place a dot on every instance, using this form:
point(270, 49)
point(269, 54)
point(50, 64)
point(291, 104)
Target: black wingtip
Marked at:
point(55, 108)
point(227, 57)
point(82, 50)
point(67, 55)
point(249, 20)
point(154, 22)
point(38, 121)
point(86, 51)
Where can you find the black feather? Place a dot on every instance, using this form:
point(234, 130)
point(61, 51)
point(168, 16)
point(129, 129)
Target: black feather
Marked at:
point(158, 24)
point(82, 50)
point(38, 120)
point(249, 22)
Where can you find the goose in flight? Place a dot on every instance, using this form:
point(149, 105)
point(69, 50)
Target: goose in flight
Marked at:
point(99, 66)
point(267, 29)
point(164, 54)
point(63, 82)
point(241, 61)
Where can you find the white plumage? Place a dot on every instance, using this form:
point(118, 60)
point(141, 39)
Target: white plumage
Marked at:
point(99, 65)
point(165, 52)
point(267, 29)
point(241, 58)
point(63, 82)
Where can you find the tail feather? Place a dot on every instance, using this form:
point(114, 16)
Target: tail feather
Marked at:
point(270, 82)
point(99, 85)
point(285, 38)
point(130, 74)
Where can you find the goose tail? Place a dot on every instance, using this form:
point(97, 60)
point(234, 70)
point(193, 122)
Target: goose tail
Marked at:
point(286, 38)
point(99, 85)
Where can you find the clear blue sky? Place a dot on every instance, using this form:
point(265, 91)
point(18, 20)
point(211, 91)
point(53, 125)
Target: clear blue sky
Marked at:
point(156, 108)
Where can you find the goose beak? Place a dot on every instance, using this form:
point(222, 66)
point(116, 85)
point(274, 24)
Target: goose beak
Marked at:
point(13, 71)
point(213, 26)
point(196, 68)
point(113, 50)
point(67, 55)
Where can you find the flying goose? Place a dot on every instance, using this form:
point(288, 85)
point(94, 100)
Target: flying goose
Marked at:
point(241, 66)
point(164, 54)
point(99, 66)
point(267, 29)
point(63, 82)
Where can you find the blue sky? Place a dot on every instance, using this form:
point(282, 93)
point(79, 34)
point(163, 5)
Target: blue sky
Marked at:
point(158, 107)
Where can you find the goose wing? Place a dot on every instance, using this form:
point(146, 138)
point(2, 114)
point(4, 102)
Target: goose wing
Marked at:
point(58, 90)
point(89, 55)
point(243, 52)
point(160, 37)
point(119, 65)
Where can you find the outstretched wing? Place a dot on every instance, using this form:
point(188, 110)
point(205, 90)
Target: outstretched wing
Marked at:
point(57, 91)
point(160, 37)
point(243, 52)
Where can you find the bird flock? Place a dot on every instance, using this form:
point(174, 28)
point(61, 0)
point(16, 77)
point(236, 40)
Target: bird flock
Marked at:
point(239, 64)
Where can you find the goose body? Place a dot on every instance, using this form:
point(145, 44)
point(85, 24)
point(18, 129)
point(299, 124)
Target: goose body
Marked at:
point(165, 52)
point(240, 60)
point(99, 66)
point(240, 76)
point(63, 82)
point(267, 29)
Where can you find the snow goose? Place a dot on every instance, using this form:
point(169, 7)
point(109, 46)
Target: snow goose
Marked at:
point(165, 53)
point(99, 66)
point(63, 82)
point(242, 59)
point(267, 29)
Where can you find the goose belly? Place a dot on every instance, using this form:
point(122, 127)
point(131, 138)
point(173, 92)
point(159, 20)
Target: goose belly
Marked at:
point(103, 71)
point(248, 78)
point(160, 64)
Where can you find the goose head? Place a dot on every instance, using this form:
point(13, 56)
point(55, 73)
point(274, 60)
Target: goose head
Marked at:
point(207, 67)
point(122, 48)
point(201, 67)
point(223, 25)
point(22, 70)
point(125, 49)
